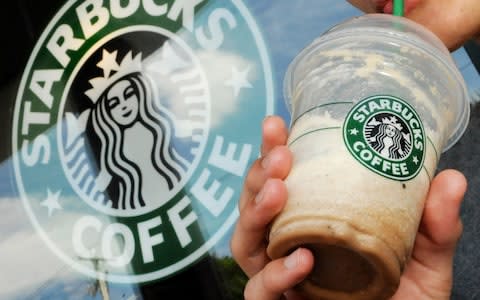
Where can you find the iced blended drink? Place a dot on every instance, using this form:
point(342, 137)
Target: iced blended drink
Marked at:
point(374, 102)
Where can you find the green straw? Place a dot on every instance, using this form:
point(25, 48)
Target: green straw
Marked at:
point(398, 7)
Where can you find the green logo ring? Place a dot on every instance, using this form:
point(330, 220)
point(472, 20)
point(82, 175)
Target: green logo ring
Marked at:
point(386, 135)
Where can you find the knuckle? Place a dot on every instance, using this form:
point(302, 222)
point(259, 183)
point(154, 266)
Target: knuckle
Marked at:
point(235, 248)
point(248, 292)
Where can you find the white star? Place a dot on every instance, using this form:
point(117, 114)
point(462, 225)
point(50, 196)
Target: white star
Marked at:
point(415, 160)
point(108, 62)
point(51, 202)
point(238, 80)
point(354, 131)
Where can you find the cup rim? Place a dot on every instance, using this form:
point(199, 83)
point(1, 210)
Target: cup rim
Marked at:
point(435, 49)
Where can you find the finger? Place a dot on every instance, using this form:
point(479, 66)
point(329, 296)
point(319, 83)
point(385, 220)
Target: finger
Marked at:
point(441, 226)
point(248, 243)
point(431, 267)
point(248, 240)
point(275, 164)
point(441, 220)
point(274, 133)
point(279, 276)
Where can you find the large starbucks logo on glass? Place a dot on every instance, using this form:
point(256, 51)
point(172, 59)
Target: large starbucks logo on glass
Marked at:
point(138, 125)
point(386, 135)
point(127, 132)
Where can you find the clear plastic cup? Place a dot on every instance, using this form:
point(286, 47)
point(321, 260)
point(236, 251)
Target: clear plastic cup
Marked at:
point(374, 102)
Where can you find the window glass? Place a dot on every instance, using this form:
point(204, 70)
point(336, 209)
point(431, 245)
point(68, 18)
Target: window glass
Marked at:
point(126, 132)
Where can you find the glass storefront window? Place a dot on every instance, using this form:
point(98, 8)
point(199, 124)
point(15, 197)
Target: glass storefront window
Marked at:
point(145, 208)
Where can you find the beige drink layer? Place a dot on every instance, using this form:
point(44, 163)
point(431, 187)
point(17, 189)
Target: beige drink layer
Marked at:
point(355, 196)
point(360, 225)
point(374, 102)
point(333, 199)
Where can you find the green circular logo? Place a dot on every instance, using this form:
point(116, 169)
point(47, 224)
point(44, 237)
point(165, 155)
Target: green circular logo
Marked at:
point(128, 158)
point(386, 135)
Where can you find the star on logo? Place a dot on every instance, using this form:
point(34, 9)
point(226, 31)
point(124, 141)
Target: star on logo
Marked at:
point(51, 202)
point(415, 160)
point(238, 80)
point(108, 62)
point(354, 131)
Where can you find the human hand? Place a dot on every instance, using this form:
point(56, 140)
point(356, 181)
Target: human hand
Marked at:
point(263, 197)
point(428, 275)
point(382, 6)
point(453, 21)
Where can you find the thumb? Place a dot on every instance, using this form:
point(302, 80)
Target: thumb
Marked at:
point(428, 275)
point(441, 226)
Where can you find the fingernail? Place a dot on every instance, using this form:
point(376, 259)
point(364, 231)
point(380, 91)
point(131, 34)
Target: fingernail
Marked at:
point(292, 260)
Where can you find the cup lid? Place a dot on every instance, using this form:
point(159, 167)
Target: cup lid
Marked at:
point(401, 29)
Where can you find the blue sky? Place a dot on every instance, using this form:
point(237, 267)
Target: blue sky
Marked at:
point(470, 74)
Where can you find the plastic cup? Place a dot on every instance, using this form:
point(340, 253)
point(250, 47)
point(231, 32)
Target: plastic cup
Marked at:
point(374, 102)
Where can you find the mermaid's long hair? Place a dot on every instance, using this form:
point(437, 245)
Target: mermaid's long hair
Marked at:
point(396, 151)
point(125, 187)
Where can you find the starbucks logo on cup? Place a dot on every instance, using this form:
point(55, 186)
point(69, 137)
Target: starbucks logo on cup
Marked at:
point(386, 135)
